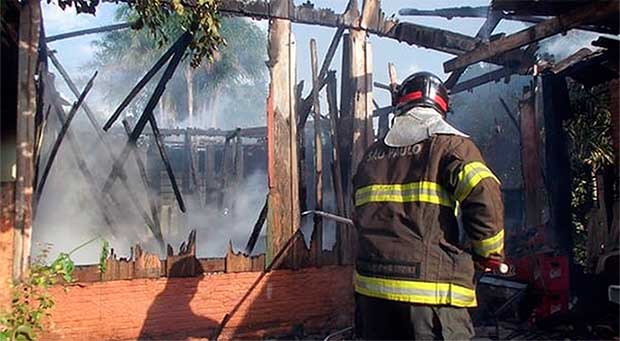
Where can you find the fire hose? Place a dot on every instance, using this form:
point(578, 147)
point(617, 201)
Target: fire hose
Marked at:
point(490, 265)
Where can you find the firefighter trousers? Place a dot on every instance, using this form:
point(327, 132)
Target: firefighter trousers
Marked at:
point(379, 319)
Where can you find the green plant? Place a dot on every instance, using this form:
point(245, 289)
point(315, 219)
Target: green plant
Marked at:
point(590, 151)
point(31, 303)
point(202, 19)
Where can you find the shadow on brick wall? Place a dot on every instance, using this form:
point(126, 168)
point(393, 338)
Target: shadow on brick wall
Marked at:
point(170, 315)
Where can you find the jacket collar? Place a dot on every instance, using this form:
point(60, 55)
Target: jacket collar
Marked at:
point(417, 125)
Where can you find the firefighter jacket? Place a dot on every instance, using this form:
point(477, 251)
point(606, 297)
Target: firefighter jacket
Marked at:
point(406, 200)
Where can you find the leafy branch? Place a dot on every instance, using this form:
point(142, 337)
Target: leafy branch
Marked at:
point(202, 19)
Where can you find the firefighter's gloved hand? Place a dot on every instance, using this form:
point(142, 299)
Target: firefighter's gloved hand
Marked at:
point(493, 263)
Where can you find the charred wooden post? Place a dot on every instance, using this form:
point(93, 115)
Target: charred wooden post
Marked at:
point(227, 160)
point(28, 44)
point(239, 158)
point(306, 104)
point(361, 74)
point(301, 147)
point(318, 155)
point(210, 181)
point(187, 162)
point(345, 144)
point(345, 119)
point(384, 120)
point(530, 155)
point(283, 212)
point(335, 165)
point(557, 175)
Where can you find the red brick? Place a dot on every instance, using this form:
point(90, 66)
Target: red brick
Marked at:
point(193, 307)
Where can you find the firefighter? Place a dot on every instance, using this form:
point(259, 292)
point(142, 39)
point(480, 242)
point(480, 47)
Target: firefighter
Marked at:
point(413, 278)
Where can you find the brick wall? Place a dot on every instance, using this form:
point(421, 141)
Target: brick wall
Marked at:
point(315, 300)
point(7, 215)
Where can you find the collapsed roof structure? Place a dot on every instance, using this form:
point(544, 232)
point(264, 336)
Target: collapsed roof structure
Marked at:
point(293, 289)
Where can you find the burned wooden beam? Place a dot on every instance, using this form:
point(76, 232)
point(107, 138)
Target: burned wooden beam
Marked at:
point(91, 117)
point(102, 29)
point(307, 102)
point(562, 23)
point(61, 135)
point(335, 165)
point(144, 80)
point(318, 152)
point(301, 146)
point(481, 12)
point(492, 76)
point(258, 226)
point(449, 13)
point(510, 115)
point(147, 117)
point(283, 213)
point(29, 20)
point(156, 228)
point(492, 20)
point(345, 118)
point(381, 86)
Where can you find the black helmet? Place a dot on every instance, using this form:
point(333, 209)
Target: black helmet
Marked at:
point(421, 89)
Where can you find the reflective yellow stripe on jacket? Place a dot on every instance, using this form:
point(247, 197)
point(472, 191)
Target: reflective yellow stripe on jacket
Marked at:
point(423, 191)
point(415, 291)
point(490, 245)
point(469, 177)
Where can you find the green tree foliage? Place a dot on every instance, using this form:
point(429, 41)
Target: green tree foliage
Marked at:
point(590, 150)
point(201, 19)
point(236, 70)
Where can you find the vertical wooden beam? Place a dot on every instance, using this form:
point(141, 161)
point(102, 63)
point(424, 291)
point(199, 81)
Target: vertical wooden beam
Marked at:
point(283, 212)
point(345, 118)
point(301, 146)
point(318, 154)
point(384, 120)
point(210, 187)
point(238, 159)
point(558, 174)
point(362, 107)
point(226, 169)
point(335, 166)
point(29, 30)
point(531, 162)
point(186, 167)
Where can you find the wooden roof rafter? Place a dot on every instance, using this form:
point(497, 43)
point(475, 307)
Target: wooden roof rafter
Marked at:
point(410, 33)
point(481, 12)
point(587, 14)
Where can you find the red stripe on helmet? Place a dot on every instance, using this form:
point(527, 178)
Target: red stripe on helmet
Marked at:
point(410, 97)
point(441, 102)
